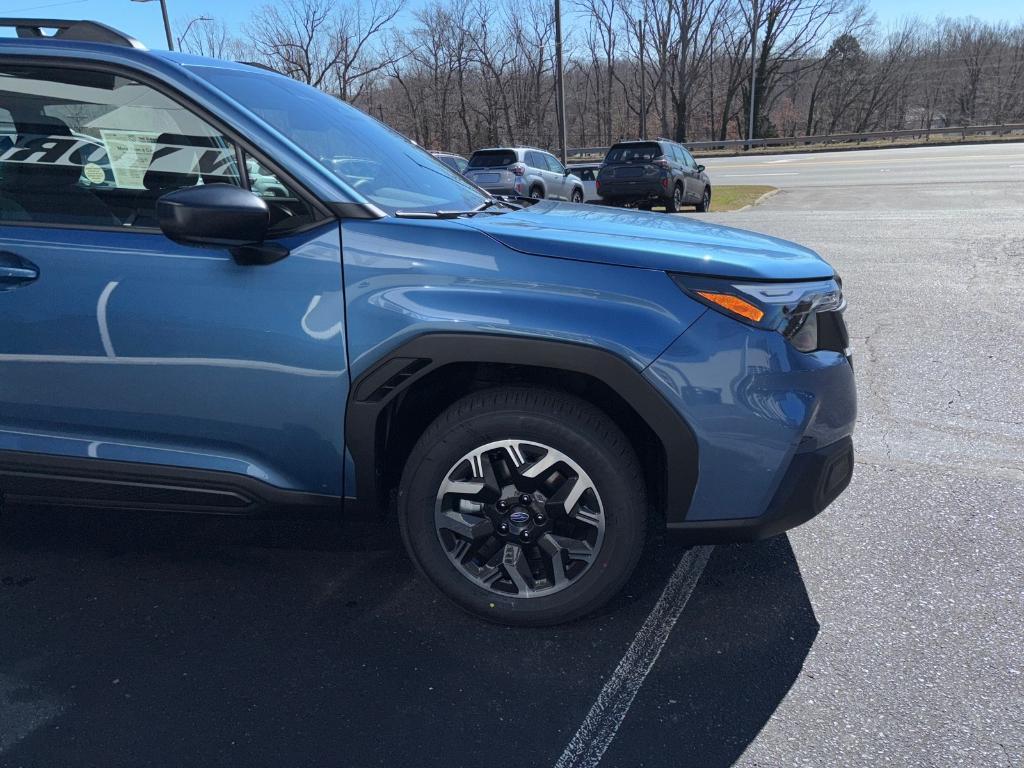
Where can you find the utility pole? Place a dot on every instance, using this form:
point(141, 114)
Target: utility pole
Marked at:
point(643, 88)
point(167, 22)
point(559, 86)
point(167, 25)
point(753, 74)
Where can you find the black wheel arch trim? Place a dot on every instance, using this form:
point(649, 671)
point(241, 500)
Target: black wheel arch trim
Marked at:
point(375, 389)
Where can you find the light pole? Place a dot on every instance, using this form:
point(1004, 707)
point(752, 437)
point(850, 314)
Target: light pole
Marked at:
point(167, 22)
point(188, 26)
point(559, 87)
point(643, 87)
point(753, 74)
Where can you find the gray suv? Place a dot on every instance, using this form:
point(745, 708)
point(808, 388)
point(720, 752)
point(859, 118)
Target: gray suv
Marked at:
point(525, 172)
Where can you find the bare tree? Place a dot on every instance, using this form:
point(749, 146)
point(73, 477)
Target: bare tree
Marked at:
point(297, 38)
point(207, 38)
point(602, 37)
point(787, 31)
point(318, 43)
point(357, 31)
point(469, 73)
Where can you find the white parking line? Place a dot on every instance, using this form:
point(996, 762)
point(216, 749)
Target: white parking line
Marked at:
point(759, 174)
point(602, 722)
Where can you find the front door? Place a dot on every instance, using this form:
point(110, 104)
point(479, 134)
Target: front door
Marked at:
point(694, 186)
point(558, 180)
point(117, 343)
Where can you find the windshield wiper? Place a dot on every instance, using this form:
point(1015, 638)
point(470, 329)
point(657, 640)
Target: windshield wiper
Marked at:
point(487, 207)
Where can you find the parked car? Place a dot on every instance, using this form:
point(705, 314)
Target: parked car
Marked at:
point(647, 174)
point(534, 386)
point(456, 162)
point(525, 172)
point(587, 173)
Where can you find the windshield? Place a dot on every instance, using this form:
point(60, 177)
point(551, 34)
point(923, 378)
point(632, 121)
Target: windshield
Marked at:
point(378, 163)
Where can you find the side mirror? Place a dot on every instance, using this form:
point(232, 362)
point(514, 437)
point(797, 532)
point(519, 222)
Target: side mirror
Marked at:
point(220, 216)
point(566, 172)
point(700, 169)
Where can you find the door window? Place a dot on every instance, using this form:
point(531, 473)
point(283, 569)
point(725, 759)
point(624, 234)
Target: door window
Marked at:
point(287, 209)
point(553, 164)
point(98, 149)
point(536, 160)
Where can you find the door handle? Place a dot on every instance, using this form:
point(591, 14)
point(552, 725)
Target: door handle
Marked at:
point(15, 271)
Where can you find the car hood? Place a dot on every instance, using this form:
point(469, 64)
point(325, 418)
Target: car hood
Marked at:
point(649, 240)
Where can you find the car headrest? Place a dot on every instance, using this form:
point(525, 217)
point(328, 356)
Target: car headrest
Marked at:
point(180, 160)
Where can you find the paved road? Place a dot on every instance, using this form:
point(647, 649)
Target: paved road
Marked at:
point(885, 632)
point(915, 575)
point(940, 166)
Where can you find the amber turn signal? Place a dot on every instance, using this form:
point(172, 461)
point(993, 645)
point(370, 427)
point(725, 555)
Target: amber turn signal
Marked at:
point(734, 304)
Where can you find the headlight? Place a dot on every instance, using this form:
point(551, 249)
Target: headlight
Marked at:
point(792, 309)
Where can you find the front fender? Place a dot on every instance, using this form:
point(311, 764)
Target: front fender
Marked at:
point(408, 277)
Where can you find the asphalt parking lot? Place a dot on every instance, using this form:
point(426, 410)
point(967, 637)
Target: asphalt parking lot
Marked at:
point(885, 632)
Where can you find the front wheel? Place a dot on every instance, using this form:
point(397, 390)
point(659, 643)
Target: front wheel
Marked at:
point(524, 506)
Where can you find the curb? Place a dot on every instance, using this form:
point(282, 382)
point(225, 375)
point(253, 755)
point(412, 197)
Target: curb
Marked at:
point(759, 200)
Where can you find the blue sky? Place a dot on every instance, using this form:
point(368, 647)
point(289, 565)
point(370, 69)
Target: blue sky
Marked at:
point(143, 19)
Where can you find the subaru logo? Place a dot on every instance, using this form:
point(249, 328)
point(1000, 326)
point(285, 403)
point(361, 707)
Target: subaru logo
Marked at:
point(519, 517)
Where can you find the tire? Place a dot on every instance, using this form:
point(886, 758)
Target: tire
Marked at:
point(596, 533)
point(705, 202)
point(577, 196)
point(674, 204)
point(536, 192)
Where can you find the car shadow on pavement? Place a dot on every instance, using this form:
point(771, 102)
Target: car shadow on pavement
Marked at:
point(162, 640)
point(736, 650)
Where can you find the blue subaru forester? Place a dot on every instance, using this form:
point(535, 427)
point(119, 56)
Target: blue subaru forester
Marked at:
point(223, 291)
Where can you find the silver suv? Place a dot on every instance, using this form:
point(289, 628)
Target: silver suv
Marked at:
point(525, 172)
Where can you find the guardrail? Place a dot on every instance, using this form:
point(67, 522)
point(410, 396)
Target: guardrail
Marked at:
point(834, 138)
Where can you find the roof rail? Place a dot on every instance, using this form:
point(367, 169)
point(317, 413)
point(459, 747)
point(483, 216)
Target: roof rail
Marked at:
point(71, 29)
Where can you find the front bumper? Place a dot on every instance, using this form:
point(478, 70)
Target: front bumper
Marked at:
point(813, 481)
point(765, 417)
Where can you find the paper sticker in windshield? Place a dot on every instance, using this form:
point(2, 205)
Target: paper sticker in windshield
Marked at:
point(94, 173)
point(129, 153)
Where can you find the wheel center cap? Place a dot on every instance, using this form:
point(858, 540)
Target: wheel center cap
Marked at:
point(519, 516)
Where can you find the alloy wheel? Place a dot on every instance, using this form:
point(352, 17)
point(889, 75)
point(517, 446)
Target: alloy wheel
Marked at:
point(519, 518)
